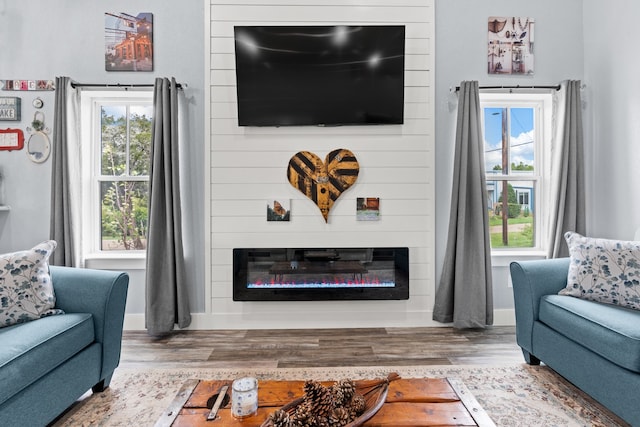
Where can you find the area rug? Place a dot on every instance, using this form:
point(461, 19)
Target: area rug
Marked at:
point(516, 395)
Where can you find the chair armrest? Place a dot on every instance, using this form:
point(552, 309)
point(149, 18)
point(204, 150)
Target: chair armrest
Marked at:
point(531, 280)
point(101, 293)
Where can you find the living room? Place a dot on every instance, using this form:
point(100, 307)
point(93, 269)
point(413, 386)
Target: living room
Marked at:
point(578, 39)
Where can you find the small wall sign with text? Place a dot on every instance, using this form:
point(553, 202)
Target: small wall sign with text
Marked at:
point(27, 85)
point(9, 108)
point(11, 139)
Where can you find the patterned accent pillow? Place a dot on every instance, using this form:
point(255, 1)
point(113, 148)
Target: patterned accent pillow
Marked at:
point(26, 291)
point(604, 270)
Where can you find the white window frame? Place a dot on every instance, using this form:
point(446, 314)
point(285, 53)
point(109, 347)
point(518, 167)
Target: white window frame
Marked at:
point(90, 131)
point(542, 103)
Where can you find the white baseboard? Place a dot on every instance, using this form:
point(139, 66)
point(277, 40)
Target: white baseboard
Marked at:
point(204, 321)
point(504, 317)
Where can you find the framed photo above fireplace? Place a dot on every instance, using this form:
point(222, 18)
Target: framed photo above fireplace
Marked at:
point(308, 274)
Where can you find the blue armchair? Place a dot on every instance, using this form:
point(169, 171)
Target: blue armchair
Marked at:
point(63, 356)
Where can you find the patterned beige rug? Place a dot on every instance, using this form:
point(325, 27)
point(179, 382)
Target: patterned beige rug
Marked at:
point(517, 395)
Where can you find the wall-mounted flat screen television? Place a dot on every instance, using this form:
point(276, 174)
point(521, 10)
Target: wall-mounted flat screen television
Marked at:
point(320, 75)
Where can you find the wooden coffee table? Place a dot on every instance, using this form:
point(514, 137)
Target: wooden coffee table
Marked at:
point(412, 402)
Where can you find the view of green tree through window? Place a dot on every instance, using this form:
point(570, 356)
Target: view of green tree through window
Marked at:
point(510, 165)
point(125, 148)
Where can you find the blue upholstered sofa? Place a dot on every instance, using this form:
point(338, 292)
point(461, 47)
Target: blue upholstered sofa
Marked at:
point(593, 345)
point(48, 363)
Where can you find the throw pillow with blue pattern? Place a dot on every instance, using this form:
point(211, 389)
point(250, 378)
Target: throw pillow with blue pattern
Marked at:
point(604, 270)
point(26, 291)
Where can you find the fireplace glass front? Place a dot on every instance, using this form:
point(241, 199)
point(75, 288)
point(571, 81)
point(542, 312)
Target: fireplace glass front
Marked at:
point(304, 274)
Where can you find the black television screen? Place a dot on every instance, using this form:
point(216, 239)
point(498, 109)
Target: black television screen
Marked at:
point(320, 75)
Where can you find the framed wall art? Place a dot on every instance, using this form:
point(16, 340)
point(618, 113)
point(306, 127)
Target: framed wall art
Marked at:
point(279, 210)
point(368, 208)
point(9, 108)
point(510, 45)
point(128, 42)
point(11, 139)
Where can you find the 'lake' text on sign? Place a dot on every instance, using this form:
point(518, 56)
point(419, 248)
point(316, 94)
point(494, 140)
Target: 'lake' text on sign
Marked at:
point(9, 108)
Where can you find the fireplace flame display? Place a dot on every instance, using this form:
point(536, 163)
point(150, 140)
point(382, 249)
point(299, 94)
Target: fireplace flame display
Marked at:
point(285, 274)
point(336, 283)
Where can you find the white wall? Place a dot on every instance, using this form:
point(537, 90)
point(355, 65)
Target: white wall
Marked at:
point(461, 38)
point(248, 167)
point(613, 109)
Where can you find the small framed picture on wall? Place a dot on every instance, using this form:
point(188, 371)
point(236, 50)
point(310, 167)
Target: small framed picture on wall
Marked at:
point(278, 210)
point(368, 208)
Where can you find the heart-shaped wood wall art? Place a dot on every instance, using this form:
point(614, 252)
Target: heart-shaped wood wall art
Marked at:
point(323, 182)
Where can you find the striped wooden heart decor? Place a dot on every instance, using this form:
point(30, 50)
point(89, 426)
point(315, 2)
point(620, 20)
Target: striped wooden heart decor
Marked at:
point(323, 182)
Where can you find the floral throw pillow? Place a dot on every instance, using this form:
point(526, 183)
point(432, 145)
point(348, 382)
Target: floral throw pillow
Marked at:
point(604, 270)
point(26, 291)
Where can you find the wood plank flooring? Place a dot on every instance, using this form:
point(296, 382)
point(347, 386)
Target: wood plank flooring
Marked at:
point(322, 347)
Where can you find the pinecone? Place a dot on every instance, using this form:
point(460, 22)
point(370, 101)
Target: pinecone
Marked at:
point(340, 417)
point(280, 418)
point(358, 404)
point(320, 397)
point(343, 391)
point(302, 412)
point(322, 422)
point(313, 421)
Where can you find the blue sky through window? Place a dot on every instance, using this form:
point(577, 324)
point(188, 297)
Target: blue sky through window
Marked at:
point(521, 136)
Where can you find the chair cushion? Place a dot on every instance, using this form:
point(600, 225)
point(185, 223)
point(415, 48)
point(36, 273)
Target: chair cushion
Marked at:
point(31, 350)
point(611, 331)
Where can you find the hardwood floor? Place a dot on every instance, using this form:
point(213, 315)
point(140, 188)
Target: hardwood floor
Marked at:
point(321, 348)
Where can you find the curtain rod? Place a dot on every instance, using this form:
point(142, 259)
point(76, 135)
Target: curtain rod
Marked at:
point(556, 87)
point(119, 85)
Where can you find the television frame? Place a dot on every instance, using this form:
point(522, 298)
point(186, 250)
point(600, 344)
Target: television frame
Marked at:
point(364, 91)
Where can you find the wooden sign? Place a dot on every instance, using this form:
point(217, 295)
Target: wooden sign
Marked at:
point(323, 182)
point(9, 108)
point(11, 139)
point(27, 85)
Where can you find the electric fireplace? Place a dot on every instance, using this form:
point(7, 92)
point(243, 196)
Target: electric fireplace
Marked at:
point(306, 274)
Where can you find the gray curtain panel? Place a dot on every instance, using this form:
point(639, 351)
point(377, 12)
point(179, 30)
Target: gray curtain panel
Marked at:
point(465, 295)
point(568, 205)
point(167, 301)
point(61, 220)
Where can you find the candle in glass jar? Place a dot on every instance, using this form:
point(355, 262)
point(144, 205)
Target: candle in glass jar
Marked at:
point(244, 397)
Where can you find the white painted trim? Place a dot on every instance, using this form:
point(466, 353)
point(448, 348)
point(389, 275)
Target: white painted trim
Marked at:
point(203, 321)
point(134, 322)
point(504, 317)
point(504, 259)
point(117, 261)
point(206, 250)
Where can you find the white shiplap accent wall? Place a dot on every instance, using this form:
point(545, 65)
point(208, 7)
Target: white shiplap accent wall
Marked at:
point(248, 167)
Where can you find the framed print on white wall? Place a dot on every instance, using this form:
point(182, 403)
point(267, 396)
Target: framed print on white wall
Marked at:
point(128, 42)
point(279, 210)
point(510, 45)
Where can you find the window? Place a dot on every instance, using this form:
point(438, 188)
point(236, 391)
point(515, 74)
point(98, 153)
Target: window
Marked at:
point(516, 136)
point(116, 188)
